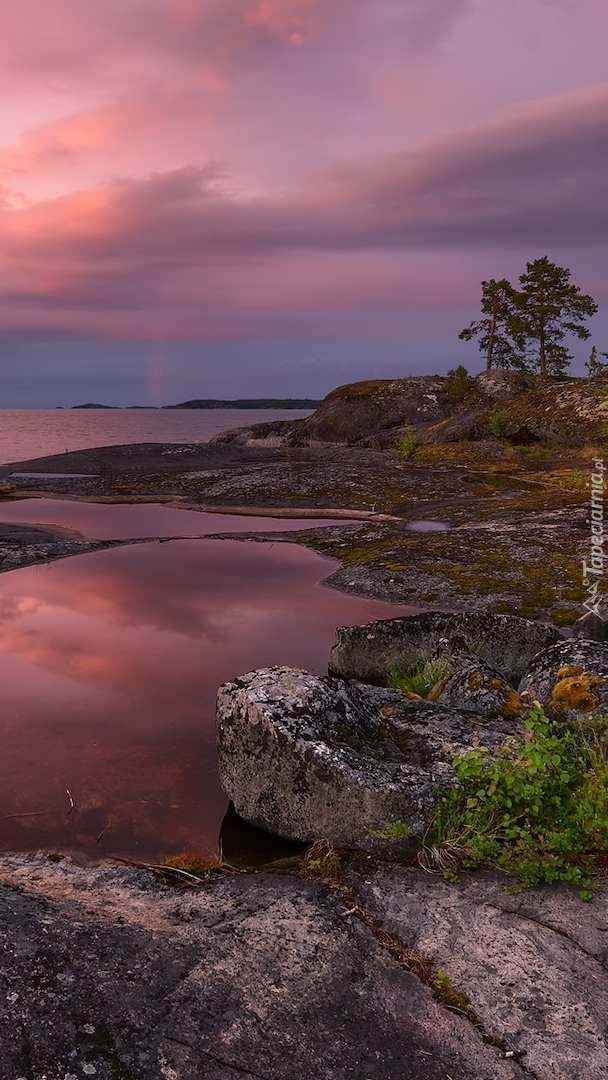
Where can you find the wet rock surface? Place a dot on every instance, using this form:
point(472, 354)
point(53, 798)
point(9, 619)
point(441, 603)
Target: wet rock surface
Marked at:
point(26, 545)
point(307, 757)
point(511, 516)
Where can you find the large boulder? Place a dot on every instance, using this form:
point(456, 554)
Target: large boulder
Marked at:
point(570, 679)
point(308, 757)
point(355, 412)
point(506, 642)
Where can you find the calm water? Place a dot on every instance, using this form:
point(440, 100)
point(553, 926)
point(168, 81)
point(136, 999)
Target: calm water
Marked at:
point(31, 433)
point(109, 667)
point(103, 521)
point(110, 662)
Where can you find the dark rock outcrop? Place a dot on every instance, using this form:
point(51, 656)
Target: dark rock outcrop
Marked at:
point(108, 974)
point(307, 757)
point(359, 411)
point(374, 412)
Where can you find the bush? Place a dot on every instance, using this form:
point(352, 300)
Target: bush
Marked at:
point(406, 443)
point(499, 423)
point(537, 808)
point(458, 382)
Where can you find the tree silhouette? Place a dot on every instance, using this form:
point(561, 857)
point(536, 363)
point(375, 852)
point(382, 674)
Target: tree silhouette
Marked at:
point(549, 307)
point(525, 328)
point(496, 331)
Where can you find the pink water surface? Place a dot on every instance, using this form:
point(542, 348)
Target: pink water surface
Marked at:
point(109, 667)
point(118, 521)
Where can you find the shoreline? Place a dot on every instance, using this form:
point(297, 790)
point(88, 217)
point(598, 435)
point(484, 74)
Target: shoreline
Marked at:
point(530, 567)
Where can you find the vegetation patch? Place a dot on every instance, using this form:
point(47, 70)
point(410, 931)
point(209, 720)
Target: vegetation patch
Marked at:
point(499, 423)
point(458, 383)
point(406, 443)
point(535, 808)
point(189, 868)
point(420, 678)
point(575, 689)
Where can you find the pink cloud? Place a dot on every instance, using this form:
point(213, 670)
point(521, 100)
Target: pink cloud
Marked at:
point(217, 164)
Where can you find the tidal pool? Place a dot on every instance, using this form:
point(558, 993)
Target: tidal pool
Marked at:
point(109, 667)
point(122, 521)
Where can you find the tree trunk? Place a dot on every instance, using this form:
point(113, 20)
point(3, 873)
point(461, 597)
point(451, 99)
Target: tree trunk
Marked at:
point(491, 336)
point(543, 353)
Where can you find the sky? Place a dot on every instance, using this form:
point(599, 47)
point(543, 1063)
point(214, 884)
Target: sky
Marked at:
point(251, 198)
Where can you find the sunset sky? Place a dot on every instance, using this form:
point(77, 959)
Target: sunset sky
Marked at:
point(226, 198)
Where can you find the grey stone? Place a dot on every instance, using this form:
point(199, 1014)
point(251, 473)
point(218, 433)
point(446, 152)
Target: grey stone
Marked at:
point(307, 757)
point(570, 679)
point(591, 626)
point(505, 642)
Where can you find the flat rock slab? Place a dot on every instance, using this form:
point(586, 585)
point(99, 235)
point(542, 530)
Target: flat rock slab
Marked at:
point(307, 758)
point(106, 973)
point(534, 965)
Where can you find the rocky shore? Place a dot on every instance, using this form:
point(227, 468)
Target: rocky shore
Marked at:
point(373, 970)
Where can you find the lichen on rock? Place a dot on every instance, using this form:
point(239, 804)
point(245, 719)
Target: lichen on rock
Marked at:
point(570, 679)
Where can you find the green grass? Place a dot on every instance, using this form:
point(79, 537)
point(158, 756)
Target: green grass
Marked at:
point(419, 677)
point(499, 423)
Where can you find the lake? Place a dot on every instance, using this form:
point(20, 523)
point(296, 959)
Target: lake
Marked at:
point(32, 433)
point(109, 668)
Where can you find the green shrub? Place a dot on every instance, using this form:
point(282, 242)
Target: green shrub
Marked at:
point(537, 808)
point(499, 423)
point(406, 443)
point(458, 382)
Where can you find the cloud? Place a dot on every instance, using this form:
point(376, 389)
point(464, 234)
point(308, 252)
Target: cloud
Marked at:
point(177, 239)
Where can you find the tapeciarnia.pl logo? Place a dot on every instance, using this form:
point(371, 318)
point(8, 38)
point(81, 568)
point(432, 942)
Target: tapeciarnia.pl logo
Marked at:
point(593, 571)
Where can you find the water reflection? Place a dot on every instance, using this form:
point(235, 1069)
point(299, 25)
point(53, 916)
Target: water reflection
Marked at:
point(109, 667)
point(121, 521)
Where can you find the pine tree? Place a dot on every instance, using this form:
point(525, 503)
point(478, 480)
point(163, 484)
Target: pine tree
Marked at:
point(597, 369)
point(496, 331)
point(548, 308)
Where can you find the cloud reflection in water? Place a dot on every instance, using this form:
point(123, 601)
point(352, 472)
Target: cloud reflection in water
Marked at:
point(109, 667)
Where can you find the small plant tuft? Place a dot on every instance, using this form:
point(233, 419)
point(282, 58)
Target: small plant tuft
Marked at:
point(322, 861)
point(459, 382)
point(420, 677)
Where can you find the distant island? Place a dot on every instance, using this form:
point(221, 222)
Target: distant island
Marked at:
point(247, 403)
point(219, 403)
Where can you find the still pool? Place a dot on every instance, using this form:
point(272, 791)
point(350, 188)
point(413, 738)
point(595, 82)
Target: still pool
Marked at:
point(109, 667)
